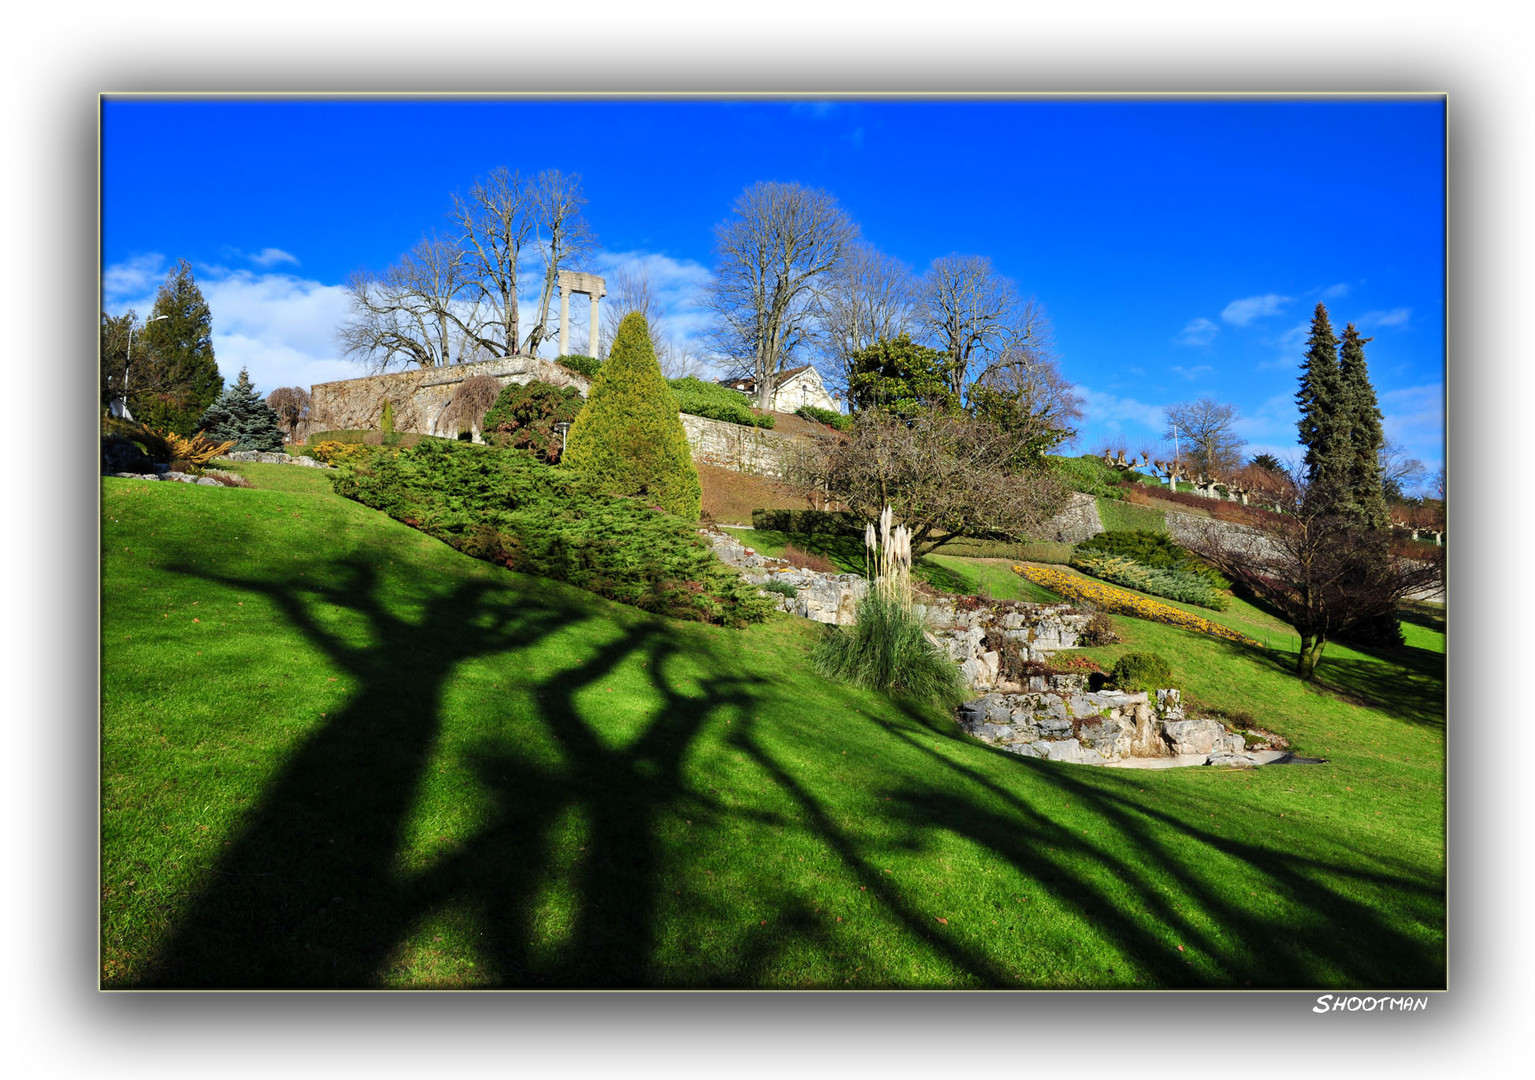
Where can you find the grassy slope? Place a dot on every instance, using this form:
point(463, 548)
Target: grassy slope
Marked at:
point(371, 761)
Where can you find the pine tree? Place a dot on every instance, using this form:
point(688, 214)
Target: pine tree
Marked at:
point(178, 378)
point(241, 415)
point(628, 439)
point(1366, 489)
point(1323, 425)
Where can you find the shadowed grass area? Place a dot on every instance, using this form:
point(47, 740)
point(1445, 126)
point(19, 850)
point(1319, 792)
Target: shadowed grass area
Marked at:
point(337, 753)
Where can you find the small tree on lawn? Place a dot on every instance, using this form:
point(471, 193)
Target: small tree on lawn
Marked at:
point(1325, 570)
point(291, 404)
point(629, 439)
point(945, 474)
point(241, 415)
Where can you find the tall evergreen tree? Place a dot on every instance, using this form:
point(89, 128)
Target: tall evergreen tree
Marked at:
point(1323, 424)
point(178, 377)
point(629, 439)
point(1366, 489)
point(241, 415)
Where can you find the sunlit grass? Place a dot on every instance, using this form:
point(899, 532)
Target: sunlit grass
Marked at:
point(372, 761)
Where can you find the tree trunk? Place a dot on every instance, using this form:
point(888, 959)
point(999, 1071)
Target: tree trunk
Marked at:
point(1311, 646)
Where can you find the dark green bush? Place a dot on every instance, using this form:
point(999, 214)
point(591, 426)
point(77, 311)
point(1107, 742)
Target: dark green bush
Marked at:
point(506, 507)
point(699, 398)
point(1141, 671)
point(584, 365)
point(825, 416)
point(888, 649)
point(524, 418)
point(809, 522)
point(782, 588)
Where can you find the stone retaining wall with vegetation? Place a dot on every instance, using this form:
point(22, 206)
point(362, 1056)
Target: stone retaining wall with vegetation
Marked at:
point(420, 396)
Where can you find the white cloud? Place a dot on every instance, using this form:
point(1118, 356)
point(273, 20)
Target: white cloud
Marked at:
point(1380, 320)
point(1335, 292)
point(268, 256)
point(1193, 372)
point(1113, 411)
point(1200, 331)
point(1242, 312)
point(134, 278)
point(279, 327)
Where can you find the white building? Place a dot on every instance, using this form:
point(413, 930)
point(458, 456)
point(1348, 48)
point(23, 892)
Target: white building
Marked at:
point(796, 387)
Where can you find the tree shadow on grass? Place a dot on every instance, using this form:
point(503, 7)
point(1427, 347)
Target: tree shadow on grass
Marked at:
point(1332, 939)
point(310, 891)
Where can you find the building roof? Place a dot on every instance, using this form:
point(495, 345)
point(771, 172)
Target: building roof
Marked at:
point(749, 385)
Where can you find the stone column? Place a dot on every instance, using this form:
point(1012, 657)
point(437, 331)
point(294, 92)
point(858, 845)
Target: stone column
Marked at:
point(593, 340)
point(564, 320)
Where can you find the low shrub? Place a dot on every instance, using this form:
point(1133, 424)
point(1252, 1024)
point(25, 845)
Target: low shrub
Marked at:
point(888, 649)
point(1180, 585)
point(1098, 631)
point(1141, 671)
point(524, 418)
point(506, 507)
point(583, 365)
point(190, 455)
point(782, 588)
point(228, 479)
point(825, 416)
point(336, 453)
point(1154, 549)
point(806, 560)
point(699, 398)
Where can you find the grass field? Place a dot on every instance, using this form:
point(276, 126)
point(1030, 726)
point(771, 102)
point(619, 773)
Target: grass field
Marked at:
point(335, 752)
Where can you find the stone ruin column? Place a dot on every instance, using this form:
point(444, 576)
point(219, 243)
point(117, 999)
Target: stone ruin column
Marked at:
point(570, 283)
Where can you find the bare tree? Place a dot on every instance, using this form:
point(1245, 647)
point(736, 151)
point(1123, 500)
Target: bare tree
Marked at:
point(633, 290)
point(1399, 473)
point(494, 225)
point(1204, 435)
point(1025, 394)
point(563, 238)
point(781, 242)
point(942, 472)
point(291, 404)
point(866, 297)
point(679, 361)
point(969, 311)
point(415, 312)
point(1324, 572)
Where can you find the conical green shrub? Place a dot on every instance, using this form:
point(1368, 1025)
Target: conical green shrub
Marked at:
point(628, 439)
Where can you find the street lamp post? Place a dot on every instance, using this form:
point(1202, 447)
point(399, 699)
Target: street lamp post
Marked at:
point(128, 363)
point(562, 427)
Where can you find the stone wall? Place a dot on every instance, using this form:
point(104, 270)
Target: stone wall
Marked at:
point(421, 395)
point(1076, 523)
point(759, 451)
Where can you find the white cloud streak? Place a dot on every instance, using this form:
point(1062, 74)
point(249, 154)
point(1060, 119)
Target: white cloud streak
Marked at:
point(1242, 312)
point(1380, 320)
point(1200, 331)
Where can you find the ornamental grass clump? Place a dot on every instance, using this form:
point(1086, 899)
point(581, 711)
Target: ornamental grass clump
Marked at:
point(888, 647)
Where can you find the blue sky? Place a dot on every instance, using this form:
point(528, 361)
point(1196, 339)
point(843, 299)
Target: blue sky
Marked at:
point(1177, 245)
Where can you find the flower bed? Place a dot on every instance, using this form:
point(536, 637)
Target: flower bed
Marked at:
point(1120, 602)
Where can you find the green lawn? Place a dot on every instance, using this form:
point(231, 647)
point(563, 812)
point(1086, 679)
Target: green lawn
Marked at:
point(335, 752)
